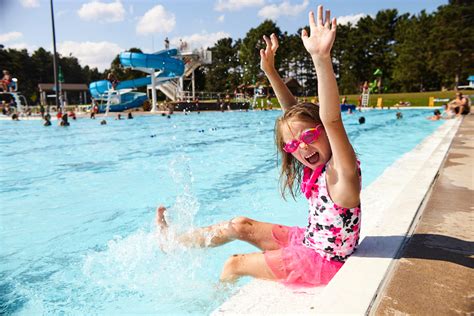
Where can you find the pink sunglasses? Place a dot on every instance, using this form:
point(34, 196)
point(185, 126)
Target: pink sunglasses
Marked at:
point(309, 136)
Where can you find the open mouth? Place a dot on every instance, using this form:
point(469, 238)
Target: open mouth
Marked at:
point(312, 158)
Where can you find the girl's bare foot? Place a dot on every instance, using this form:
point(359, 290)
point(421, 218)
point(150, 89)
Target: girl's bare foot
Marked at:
point(160, 217)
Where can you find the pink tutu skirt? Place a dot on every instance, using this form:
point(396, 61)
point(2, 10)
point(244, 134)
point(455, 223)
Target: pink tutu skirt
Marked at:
point(295, 264)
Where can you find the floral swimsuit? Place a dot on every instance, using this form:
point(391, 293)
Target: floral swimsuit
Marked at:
point(333, 231)
point(311, 256)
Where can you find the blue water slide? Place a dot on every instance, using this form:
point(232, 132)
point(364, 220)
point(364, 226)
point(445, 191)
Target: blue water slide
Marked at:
point(128, 100)
point(164, 61)
point(171, 67)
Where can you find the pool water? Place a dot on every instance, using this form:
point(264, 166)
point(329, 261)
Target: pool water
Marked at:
point(77, 209)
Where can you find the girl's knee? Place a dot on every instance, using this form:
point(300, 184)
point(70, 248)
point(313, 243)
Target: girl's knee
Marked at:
point(231, 269)
point(242, 225)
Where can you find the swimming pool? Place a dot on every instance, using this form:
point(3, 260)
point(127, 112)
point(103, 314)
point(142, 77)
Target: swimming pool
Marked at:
point(77, 204)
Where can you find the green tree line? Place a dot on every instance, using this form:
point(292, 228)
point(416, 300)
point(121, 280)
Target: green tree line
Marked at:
point(415, 52)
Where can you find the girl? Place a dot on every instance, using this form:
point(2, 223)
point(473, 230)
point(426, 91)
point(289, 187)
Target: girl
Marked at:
point(317, 158)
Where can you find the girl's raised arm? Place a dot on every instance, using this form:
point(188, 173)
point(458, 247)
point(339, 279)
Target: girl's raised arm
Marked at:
point(319, 44)
point(267, 63)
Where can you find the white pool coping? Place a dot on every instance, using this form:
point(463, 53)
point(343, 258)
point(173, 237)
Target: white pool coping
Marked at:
point(389, 207)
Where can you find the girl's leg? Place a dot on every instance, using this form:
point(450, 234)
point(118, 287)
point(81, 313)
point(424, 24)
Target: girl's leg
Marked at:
point(256, 233)
point(252, 264)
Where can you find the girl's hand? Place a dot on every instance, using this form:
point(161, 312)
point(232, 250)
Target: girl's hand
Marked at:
point(267, 55)
point(320, 42)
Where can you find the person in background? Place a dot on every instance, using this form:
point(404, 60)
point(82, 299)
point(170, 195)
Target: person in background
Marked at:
point(361, 120)
point(399, 115)
point(4, 108)
point(72, 114)
point(12, 104)
point(6, 81)
point(436, 117)
point(460, 104)
point(113, 80)
point(344, 100)
point(103, 122)
point(167, 43)
point(64, 120)
point(196, 104)
point(365, 87)
point(119, 117)
point(42, 111)
point(269, 104)
point(8, 109)
point(129, 116)
point(59, 115)
point(15, 117)
point(47, 120)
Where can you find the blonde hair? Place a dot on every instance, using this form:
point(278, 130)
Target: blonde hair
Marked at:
point(291, 168)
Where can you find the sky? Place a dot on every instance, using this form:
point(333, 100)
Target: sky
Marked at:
point(95, 31)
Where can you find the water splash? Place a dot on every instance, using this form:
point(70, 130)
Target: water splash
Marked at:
point(186, 206)
point(150, 268)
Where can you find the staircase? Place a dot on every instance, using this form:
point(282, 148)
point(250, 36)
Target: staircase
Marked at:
point(172, 88)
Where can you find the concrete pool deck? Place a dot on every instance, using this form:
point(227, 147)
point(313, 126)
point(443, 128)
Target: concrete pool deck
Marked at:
point(392, 205)
point(434, 273)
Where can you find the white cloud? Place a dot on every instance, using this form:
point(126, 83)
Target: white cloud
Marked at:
point(274, 11)
point(353, 19)
point(235, 5)
point(156, 20)
point(30, 3)
point(221, 18)
point(10, 41)
point(93, 54)
point(11, 36)
point(101, 11)
point(198, 40)
point(22, 45)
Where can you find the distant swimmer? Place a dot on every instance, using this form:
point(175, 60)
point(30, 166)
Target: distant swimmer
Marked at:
point(361, 120)
point(103, 122)
point(47, 120)
point(436, 116)
point(64, 120)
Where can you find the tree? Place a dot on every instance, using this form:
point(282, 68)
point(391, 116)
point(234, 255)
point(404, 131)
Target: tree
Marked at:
point(347, 53)
point(223, 73)
point(411, 70)
point(38, 68)
point(452, 38)
point(249, 53)
point(20, 65)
